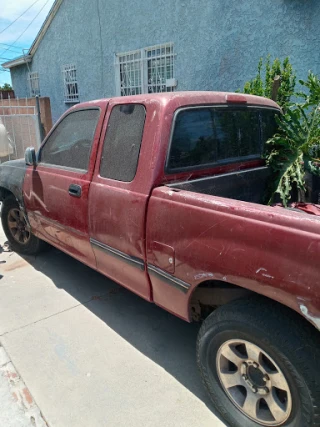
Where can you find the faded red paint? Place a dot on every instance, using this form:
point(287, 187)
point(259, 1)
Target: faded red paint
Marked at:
point(11, 375)
point(269, 251)
point(272, 252)
point(27, 396)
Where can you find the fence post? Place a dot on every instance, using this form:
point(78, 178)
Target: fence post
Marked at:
point(40, 125)
point(275, 88)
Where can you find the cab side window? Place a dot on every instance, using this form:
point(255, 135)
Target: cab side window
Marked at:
point(70, 143)
point(122, 143)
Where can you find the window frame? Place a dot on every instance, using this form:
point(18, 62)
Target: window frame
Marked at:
point(68, 168)
point(75, 98)
point(147, 58)
point(33, 76)
point(105, 137)
point(118, 64)
point(172, 171)
point(143, 60)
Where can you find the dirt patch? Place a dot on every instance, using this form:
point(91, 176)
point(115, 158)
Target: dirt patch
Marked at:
point(20, 263)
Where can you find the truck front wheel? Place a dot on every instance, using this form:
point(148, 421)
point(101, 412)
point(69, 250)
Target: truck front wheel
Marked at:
point(17, 230)
point(260, 365)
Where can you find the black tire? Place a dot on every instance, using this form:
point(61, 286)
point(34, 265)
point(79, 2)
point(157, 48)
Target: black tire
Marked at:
point(33, 245)
point(286, 337)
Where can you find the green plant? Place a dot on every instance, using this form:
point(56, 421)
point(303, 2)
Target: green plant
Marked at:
point(262, 83)
point(6, 86)
point(295, 148)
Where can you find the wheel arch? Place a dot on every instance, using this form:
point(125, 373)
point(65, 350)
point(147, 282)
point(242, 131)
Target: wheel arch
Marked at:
point(211, 294)
point(12, 174)
point(4, 193)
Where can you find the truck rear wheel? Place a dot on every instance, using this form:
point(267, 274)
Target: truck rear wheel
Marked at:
point(17, 230)
point(259, 364)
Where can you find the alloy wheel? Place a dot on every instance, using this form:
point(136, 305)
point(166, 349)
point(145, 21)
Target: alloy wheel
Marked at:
point(254, 382)
point(18, 226)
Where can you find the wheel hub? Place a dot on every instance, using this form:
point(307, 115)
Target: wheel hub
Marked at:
point(254, 382)
point(255, 377)
point(21, 226)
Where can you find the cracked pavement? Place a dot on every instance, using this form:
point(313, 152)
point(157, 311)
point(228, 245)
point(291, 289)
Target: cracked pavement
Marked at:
point(87, 352)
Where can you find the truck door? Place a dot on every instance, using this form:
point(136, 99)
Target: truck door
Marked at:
point(56, 191)
point(118, 199)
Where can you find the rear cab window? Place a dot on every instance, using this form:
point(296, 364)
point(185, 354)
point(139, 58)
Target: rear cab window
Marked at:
point(209, 136)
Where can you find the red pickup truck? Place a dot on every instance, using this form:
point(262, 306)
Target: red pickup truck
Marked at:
point(164, 193)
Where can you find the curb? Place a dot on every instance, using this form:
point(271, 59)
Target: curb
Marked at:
point(21, 395)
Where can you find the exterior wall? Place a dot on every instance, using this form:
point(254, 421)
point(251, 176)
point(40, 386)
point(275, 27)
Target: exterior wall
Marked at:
point(218, 43)
point(19, 76)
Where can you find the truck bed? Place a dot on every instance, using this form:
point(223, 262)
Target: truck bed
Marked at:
point(247, 185)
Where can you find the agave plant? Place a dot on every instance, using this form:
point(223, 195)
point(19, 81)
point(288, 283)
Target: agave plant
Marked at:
point(262, 83)
point(295, 149)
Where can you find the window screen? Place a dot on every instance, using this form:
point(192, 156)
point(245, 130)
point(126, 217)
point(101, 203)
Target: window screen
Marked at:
point(122, 143)
point(70, 143)
point(147, 70)
point(71, 92)
point(210, 135)
point(34, 84)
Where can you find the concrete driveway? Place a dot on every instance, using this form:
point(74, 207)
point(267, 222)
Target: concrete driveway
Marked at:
point(79, 350)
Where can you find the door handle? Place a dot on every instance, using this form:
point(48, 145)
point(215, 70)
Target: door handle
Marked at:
point(75, 190)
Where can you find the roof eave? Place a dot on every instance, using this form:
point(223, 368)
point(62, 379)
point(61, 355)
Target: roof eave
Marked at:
point(17, 61)
point(28, 58)
point(45, 26)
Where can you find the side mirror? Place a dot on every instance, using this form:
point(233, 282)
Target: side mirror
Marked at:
point(30, 156)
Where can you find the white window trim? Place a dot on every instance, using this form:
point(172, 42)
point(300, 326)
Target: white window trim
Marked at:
point(118, 63)
point(33, 80)
point(70, 80)
point(170, 83)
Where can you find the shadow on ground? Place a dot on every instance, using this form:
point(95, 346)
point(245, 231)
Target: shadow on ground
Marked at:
point(163, 338)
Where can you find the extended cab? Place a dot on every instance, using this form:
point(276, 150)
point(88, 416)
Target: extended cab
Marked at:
point(164, 194)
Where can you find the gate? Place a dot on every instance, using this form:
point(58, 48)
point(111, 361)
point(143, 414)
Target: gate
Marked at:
point(19, 128)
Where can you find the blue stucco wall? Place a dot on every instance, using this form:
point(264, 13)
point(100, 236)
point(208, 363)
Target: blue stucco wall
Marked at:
point(217, 43)
point(19, 76)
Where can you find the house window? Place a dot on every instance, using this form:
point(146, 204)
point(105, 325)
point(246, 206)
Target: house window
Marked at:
point(130, 73)
point(146, 70)
point(159, 62)
point(34, 86)
point(71, 93)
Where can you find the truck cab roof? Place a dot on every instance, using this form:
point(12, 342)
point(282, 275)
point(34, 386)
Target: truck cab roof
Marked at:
point(185, 98)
